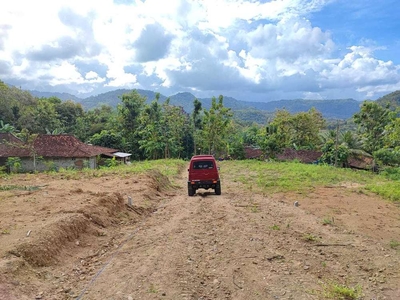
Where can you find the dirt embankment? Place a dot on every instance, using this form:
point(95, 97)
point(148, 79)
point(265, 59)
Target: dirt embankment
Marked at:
point(79, 239)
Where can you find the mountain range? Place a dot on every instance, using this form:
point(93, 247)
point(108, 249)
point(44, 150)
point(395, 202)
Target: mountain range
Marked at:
point(247, 111)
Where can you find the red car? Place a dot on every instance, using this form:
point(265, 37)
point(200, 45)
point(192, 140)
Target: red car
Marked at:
point(203, 173)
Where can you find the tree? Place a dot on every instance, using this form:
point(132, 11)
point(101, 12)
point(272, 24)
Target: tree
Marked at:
point(68, 113)
point(173, 123)
point(306, 127)
point(37, 118)
point(96, 120)
point(129, 114)
point(215, 127)
point(286, 130)
point(391, 137)
point(150, 130)
point(196, 123)
point(372, 120)
point(107, 138)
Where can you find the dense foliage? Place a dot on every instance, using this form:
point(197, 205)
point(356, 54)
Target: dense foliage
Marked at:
point(158, 129)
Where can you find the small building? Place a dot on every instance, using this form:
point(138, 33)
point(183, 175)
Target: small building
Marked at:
point(48, 152)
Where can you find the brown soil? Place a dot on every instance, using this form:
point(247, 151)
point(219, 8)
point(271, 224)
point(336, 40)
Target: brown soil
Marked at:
point(78, 239)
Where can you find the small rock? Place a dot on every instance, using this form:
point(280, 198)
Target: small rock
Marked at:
point(215, 281)
point(296, 203)
point(306, 267)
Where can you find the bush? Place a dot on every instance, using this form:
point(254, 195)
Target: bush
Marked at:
point(388, 156)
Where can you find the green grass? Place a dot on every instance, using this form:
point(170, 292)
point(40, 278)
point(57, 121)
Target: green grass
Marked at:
point(276, 177)
point(275, 227)
point(167, 167)
point(327, 221)
point(310, 238)
point(387, 189)
point(334, 290)
point(394, 244)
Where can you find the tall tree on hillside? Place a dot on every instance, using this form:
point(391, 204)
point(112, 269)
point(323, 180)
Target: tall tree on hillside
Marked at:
point(150, 130)
point(129, 112)
point(173, 127)
point(215, 127)
point(196, 123)
point(40, 117)
point(286, 130)
point(69, 112)
point(94, 121)
point(372, 120)
point(306, 129)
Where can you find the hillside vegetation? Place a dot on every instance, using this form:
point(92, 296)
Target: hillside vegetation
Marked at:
point(330, 108)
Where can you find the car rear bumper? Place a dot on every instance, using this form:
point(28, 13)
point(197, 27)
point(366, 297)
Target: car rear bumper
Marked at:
point(203, 184)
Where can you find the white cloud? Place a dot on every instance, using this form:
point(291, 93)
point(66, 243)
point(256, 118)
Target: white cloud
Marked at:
point(230, 46)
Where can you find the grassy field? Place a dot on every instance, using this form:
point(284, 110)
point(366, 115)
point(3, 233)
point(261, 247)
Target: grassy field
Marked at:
point(275, 177)
point(260, 176)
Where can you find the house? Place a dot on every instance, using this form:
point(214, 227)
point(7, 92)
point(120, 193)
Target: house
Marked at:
point(361, 160)
point(53, 152)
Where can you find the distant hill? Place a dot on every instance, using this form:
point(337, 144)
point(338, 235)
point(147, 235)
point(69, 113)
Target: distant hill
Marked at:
point(244, 110)
point(62, 96)
point(392, 99)
point(113, 98)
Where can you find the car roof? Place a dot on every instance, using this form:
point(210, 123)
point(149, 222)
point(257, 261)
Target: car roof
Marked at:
point(202, 157)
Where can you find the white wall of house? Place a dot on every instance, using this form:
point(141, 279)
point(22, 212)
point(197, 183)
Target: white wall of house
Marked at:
point(56, 162)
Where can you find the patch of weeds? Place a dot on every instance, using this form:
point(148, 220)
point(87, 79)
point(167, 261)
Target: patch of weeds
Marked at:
point(334, 290)
point(18, 187)
point(323, 264)
point(275, 227)
point(310, 238)
point(327, 221)
point(30, 200)
point(254, 209)
point(5, 231)
point(152, 289)
point(394, 244)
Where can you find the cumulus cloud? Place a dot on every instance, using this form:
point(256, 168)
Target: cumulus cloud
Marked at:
point(152, 44)
point(4, 29)
point(265, 49)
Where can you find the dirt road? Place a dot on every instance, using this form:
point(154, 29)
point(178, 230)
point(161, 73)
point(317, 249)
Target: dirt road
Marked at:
point(240, 245)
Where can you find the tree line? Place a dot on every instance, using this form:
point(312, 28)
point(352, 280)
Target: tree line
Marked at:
point(160, 130)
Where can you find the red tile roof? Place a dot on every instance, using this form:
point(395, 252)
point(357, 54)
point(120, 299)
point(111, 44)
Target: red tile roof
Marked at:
point(11, 146)
point(55, 146)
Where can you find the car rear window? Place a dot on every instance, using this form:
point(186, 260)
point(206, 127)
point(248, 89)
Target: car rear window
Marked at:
point(203, 165)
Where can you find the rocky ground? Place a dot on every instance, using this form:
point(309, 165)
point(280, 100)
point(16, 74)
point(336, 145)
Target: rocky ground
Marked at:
point(77, 238)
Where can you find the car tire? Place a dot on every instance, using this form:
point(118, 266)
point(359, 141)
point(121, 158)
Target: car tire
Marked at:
point(190, 190)
point(218, 189)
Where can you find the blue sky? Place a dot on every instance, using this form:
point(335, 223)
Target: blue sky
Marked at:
point(251, 50)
